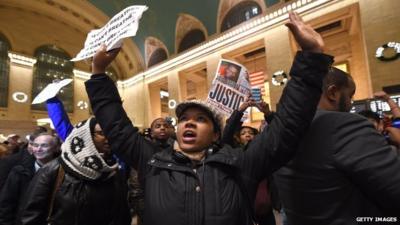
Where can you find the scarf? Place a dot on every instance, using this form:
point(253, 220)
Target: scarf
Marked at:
point(80, 155)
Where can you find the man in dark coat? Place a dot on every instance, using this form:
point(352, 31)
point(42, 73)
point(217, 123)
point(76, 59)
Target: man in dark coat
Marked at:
point(82, 187)
point(197, 181)
point(344, 170)
point(45, 147)
point(6, 164)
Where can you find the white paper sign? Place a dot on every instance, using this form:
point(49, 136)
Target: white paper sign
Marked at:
point(230, 87)
point(50, 91)
point(123, 25)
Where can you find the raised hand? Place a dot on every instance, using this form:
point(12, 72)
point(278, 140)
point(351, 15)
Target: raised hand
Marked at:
point(305, 35)
point(102, 59)
point(264, 107)
point(248, 103)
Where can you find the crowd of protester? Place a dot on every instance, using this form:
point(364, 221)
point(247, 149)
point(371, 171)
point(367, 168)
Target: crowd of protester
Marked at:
point(311, 162)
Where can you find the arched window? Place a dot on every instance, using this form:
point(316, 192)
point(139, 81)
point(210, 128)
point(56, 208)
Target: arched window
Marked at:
point(239, 14)
point(4, 70)
point(191, 39)
point(53, 63)
point(157, 56)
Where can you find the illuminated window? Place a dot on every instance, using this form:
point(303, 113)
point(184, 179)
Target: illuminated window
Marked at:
point(53, 64)
point(4, 70)
point(239, 14)
point(191, 39)
point(157, 56)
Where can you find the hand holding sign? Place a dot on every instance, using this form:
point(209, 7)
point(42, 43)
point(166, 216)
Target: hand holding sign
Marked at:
point(263, 107)
point(249, 102)
point(102, 59)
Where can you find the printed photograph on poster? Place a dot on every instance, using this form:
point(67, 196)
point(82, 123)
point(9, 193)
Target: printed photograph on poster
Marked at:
point(230, 87)
point(233, 74)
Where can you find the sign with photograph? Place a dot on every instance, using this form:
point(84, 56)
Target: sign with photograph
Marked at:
point(230, 87)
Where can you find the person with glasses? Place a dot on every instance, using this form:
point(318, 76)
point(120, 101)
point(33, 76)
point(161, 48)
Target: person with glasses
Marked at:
point(44, 147)
point(84, 186)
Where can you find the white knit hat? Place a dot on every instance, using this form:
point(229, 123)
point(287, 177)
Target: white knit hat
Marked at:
point(81, 156)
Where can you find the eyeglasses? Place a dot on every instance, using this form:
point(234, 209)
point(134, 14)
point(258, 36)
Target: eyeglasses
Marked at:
point(44, 145)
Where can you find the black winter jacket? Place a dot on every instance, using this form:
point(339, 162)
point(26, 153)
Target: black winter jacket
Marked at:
point(179, 192)
point(12, 194)
point(77, 201)
point(6, 164)
point(344, 172)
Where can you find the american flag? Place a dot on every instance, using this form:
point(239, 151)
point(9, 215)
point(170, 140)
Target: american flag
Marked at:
point(257, 80)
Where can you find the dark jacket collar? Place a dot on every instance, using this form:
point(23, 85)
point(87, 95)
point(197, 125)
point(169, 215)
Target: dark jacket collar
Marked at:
point(225, 155)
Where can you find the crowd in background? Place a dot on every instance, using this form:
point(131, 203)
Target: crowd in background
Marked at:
point(311, 161)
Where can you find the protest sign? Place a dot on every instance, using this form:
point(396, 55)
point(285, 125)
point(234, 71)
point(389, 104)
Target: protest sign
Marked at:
point(50, 91)
point(124, 24)
point(230, 87)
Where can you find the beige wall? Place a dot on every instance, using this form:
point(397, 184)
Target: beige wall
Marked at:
point(174, 89)
point(79, 95)
point(134, 103)
point(16, 118)
point(279, 57)
point(380, 22)
point(21, 81)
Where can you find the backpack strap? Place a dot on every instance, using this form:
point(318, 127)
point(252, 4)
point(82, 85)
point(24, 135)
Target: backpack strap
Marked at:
point(59, 180)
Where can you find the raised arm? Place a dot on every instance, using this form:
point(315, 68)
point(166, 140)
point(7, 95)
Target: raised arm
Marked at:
point(234, 123)
point(59, 117)
point(124, 138)
point(275, 146)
